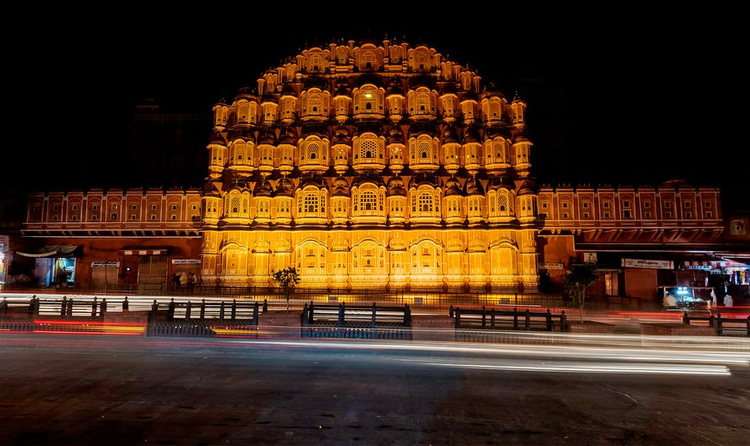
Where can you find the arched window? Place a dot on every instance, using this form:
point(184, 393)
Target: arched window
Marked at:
point(368, 148)
point(502, 203)
point(425, 202)
point(311, 203)
point(368, 201)
point(312, 151)
point(424, 150)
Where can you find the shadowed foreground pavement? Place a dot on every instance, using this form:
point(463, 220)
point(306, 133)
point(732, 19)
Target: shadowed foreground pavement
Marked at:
point(99, 390)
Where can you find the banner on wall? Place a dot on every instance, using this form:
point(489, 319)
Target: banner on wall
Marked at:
point(646, 263)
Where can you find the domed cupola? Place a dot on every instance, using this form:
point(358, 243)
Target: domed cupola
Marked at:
point(285, 188)
point(424, 147)
point(342, 102)
point(262, 189)
point(368, 98)
point(340, 194)
point(368, 178)
point(453, 202)
point(312, 180)
point(244, 107)
point(475, 201)
point(341, 149)
point(315, 81)
point(395, 100)
point(453, 187)
point(474, 187)
point(493, 106)
point(526, 203)
point(496, 183)
point(469, 102)
point(245, 133)
point(521, 155)
point(451, 150)
point(425, 180)
point(267, 137)
point(341, 135)
point(270, 109)
point(368, 147)
point(287, 144)
point(518, 111)
point(396, 186)
point(283, 197)
point(314, 148)
point(422, 99)
point(472, 147)
point(340, 187)
point(396, 149)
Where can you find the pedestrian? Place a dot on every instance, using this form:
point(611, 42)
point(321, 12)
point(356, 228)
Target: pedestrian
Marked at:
point(191, 282)
point(728, 300)
point(176, 280)
point(713, 297)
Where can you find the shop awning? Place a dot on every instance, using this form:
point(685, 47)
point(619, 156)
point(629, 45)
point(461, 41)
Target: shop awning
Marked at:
point(715, 262)
point(53, 251)
point(143, 251)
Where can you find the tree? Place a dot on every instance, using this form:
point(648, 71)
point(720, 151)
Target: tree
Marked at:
point(287, 278)
point(578, 279)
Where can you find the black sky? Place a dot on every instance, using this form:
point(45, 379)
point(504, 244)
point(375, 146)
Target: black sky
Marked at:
point(618, 96)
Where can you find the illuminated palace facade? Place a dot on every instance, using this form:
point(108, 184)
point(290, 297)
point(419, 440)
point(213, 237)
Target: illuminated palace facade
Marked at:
point(370, 166)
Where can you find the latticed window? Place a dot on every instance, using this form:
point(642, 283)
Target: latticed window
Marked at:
point(263, 208)
point(311, 203)
point(502, 203)
point(424, 150)
point(368, 149)
point(313, 151)
point(423, 102)
point(235, 204)
point(368, 201)
point(425, 202)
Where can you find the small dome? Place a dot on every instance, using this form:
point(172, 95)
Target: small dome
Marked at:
point(471, 134)
point(287, 137)
point(368, 178)
point(262, 189)
point(450, 136)
point(395, 135)
point(341, 135)
point(395, 87)
point(396, 187)
point(285, 188)
point(340, 182)
point(474, 187)
point(453, 187)
point(288, 90)
point(267, 138)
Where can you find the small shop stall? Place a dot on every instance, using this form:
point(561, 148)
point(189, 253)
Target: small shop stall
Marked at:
point(685, 297)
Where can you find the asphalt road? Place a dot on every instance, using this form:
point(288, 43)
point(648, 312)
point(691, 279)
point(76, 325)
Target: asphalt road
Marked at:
point(118, 390)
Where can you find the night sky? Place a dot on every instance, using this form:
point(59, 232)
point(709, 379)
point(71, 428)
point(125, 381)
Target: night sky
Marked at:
point(628, 96)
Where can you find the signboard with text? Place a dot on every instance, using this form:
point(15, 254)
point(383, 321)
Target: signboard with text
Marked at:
point(646, 263)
